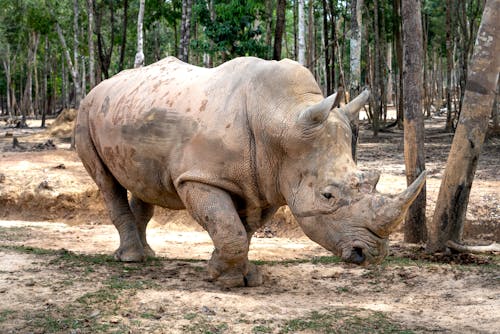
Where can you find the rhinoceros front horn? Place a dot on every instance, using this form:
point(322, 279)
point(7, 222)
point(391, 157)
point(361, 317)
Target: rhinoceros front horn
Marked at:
point(318, 113)
point(390, 213)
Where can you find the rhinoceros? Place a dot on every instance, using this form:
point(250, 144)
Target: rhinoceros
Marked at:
point(231, 145)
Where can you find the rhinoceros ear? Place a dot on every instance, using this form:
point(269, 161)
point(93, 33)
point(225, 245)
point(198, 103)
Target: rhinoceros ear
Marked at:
point(318, 113)
point(351, 110)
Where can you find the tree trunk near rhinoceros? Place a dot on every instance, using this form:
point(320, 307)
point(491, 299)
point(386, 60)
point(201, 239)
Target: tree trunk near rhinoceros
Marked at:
point(124, 36)
point(139, 56)
point(451, 206)
point(185, 30)
point(301, 57)
point(280, 28)
point(414, 227)
point(355, 47)
point(90, 13)
point(398, 41)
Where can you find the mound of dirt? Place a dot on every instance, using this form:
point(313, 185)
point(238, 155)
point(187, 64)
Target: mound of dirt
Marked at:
point(62, 127)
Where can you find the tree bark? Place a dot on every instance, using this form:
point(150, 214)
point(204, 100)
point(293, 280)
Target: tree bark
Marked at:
point(302, 34)
point(280, 28)
point(355, 46)
point(139, 56)
point(399, 58)
point(104, 54)
point(376, 71)
point(185, 30)
point(45, 102)
point(124, 36)
point(414, 227)
point(449, 65)
point(90, 12)
point(449, 216)
point(73, 70)
point(389, 74)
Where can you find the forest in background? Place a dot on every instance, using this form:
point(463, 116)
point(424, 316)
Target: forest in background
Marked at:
point(349, 44)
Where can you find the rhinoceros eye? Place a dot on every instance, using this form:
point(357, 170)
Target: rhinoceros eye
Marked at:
point(327, 195)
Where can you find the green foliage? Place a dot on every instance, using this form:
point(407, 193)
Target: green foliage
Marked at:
point(234, 31)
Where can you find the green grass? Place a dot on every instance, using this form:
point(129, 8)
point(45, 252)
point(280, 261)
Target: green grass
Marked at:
point(354, 321)
point(4, 314)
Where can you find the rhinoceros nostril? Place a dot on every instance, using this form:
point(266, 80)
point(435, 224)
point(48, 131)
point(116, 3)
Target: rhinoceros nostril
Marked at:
point(357, 255)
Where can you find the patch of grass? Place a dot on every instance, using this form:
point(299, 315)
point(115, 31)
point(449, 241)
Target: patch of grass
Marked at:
point(355, 321)
point(62, 320)
point(259, 329)
point(326, 259)
point(203, 325)
point(100, 296)
point(4, 314)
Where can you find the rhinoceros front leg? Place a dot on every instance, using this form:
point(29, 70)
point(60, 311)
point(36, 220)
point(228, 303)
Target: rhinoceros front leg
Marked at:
point(142, 212)
point(213, 209)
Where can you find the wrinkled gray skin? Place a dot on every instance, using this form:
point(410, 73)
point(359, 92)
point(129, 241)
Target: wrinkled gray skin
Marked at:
point(231, 145)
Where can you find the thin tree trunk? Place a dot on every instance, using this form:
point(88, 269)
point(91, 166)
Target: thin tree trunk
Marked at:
point(389, 74)
point(45, 102)
point(310, 37)
point(280, 28)
point(269, 23)
point(449, 66)
point(414, 227)
point(27, 103)
point(355, 46)
point(376, 70)
point(185, 30)
point(8, 78)
point(139, 56)
point(451, 206)
point(124, 35)
point(90, 12)
point(399, 58)
point(302, 34)
point(75, 48)
point(73, 70)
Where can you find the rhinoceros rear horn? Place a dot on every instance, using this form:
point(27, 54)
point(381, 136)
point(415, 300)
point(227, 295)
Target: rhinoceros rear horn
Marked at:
point(351, 110)
point(389, 214)
point(319, 112)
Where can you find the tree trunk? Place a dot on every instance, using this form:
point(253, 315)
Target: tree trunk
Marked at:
point(139, 56)
point(124, 35)
point(377, 102)
point(90, 12)
point(45, 102)
point(389, 89)
point(75, 49)
point(185, 30)
point(269, 18)
point(355, 46)
point(399, 58)
point(27, 102)
point(104, 54)
point(311, 46)
point(302, 34)
point(280, 28)
point(73, 70)
point(449, 65)
point(449, 216)
point(414, 227)
point(8, 78)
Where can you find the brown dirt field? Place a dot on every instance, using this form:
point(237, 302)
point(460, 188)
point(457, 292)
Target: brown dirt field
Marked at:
point(56, 275)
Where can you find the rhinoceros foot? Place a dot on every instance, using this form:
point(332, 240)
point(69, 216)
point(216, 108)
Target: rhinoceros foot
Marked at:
point(149, 251)
point(131, 254)
point(254, 276)
point(234, 277)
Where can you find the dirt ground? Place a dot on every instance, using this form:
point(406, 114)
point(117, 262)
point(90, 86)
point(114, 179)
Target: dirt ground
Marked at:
point(57, 275)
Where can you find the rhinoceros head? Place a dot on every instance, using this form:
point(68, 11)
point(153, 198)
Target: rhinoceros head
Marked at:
point(334, 202)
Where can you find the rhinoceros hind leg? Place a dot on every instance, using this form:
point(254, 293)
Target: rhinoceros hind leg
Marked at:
point(114, 195)
point(142, 212)
point(214, 209)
